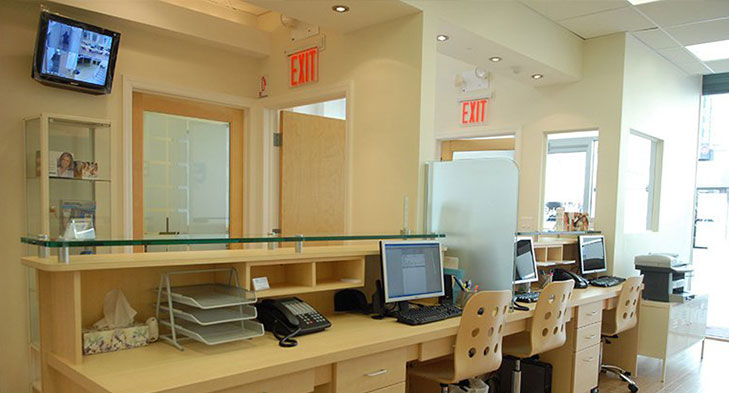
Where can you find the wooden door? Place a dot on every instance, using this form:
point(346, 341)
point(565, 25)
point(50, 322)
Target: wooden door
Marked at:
point(312, 175)
point(141, 103)
point(448, 147)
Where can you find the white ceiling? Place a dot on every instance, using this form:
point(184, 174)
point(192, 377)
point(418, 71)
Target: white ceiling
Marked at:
point(667, 26)
point(362, 13)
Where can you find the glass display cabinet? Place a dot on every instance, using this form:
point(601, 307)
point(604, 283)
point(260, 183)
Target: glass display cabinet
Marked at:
point(67, 180)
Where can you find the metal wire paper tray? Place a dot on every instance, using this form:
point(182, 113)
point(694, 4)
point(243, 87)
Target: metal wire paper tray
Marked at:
point(220, 333)
point(212, 316)
point(209, 296)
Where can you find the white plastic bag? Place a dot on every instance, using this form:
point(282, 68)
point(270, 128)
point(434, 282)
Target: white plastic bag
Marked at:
point(117, 311)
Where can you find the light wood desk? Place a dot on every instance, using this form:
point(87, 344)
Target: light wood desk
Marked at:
point(356, 355)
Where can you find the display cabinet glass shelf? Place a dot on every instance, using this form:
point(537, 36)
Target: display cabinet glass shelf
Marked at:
point(67, 177)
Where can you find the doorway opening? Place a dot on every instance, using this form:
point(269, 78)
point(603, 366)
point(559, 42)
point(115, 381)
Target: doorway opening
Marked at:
point(482, 147)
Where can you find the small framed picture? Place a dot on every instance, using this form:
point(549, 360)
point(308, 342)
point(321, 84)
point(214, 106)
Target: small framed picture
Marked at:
point(61, 164)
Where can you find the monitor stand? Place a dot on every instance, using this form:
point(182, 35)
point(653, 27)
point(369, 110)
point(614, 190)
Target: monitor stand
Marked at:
point(403, 306)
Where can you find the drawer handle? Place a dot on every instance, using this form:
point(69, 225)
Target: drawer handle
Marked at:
point(590, 337)
point(376, 373)
point(592, 314)
point(591, 358)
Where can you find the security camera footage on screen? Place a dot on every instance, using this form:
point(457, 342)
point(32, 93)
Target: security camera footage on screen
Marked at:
point(74, 53)
point(412, 270)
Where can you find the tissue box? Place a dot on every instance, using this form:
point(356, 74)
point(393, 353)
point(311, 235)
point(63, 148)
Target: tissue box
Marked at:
point(100, 341)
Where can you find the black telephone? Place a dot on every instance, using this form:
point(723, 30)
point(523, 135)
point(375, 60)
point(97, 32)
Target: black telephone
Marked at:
point(290, 317)
point(565, 275)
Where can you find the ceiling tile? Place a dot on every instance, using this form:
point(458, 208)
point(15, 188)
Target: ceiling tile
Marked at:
point(698, 33)
point(564, 9)
point(655, 38)
point(719, 65)
point(675, 12)
point(608, 22)
point(694, 68)
point(678, 55)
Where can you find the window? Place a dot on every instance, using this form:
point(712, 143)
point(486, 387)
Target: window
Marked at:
point(570, 177)
point(642, 177)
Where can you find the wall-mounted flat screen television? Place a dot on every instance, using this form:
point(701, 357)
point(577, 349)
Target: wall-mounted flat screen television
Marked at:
point(74, 55)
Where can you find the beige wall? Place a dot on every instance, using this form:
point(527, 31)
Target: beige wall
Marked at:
point(143, 54)
point(383, 65)
point(592, 103)
point(662, 101)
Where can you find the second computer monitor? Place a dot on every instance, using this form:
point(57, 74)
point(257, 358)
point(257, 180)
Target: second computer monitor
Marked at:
point(592, 254)
point(525, 264)
point(411, 270)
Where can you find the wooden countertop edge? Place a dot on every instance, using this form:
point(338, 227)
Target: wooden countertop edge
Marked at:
point(186, 258)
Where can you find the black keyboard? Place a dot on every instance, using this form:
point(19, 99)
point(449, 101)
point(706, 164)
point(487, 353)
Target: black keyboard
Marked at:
point(527, 297)
point(426, 314)
point(606, 281)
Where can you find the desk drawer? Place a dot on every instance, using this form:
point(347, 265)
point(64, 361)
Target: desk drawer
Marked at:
point(301, 382)
point(371, 372)
point(586, 370)
point(586, 337)
point(399, 388)
point(589, 314)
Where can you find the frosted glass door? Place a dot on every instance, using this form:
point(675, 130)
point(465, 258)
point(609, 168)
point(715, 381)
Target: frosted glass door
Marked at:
point(186, 175)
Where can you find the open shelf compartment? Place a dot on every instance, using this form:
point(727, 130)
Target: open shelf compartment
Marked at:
point(283, 278)
point(340, 274)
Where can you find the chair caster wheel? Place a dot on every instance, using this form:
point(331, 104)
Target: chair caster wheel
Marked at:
point(633, 388)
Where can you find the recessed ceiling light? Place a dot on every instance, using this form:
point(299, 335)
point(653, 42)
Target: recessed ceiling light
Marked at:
point(442, 37)
point(495, 59)
point(537, 76)
point(340, 8)
point(711, 50)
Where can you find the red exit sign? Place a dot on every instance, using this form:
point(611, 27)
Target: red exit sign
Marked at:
point(304, 67)
point(473, 112)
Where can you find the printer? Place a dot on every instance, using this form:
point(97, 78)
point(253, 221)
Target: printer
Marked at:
point(664, 277)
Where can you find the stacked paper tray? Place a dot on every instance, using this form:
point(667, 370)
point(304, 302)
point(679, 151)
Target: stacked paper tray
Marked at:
point(211, 316)
point(209, 296)
point(220, 333)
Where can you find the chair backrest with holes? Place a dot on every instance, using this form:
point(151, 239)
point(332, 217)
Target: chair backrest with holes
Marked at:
point(478, 342)
point(625, 315)
point(548, 329)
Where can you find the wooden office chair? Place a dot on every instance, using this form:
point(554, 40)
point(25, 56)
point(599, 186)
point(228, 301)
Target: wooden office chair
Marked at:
point(547, 329)
point(478, 341)
point(620, 319)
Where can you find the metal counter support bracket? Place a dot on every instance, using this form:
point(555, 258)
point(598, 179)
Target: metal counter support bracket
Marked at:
point(300, 245)
point(64, 255)
point(43, 252)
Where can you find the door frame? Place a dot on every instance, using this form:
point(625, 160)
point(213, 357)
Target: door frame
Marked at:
point(131, 85)
point(270, 124)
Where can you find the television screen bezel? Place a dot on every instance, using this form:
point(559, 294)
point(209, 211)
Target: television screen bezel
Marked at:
point(58, 81)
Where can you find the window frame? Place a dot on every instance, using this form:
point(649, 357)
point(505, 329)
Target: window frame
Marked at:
point(588, 145)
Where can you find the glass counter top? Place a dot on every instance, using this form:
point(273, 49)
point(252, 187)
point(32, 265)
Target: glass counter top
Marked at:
point(218, 239)
point(559, 233)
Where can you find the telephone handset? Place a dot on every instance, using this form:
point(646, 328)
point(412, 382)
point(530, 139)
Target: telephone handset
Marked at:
point(290, 317)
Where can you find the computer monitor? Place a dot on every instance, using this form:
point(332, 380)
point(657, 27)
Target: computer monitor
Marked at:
point(592, 254)
point(411, 270)
point(525, 263)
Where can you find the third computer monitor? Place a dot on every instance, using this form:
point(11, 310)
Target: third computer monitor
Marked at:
point(525, 265)
point(592, 254)
point(411, 270)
